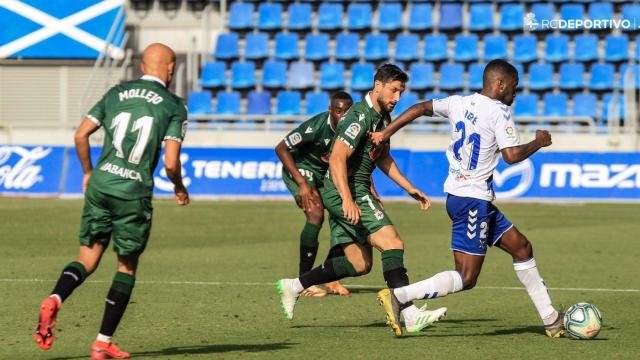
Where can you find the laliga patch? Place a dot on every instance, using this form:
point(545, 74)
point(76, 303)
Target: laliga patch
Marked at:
point(510, 131)
point(353, 130)
point(295, 138)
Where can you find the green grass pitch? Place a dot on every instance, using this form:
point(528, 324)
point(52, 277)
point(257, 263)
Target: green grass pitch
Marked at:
point(206, 286)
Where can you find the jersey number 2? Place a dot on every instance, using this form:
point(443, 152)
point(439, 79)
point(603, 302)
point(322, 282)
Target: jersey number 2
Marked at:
point(473, 139)
point(143, 125)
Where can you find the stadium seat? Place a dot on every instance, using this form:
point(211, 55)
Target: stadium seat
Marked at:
point(434, 95)
point(390, 16)
point(631, 12)
point(623, 70)
point(359, 16)
point(362, 76)
point(286, 47)
point(288, 103)
point(601, 11)
point(607, 104)
point(601, 77)
point(511, 16)
point(259, 102)
point(543, 12)
point(476, 70)
point(572, 12)
point(466, 48)
point(481, 17)
point(585, 105)
point(520, 70)
point(332, 75)
point(316, 47)
point(540, 76)
point(227, 46)
point(270, 16)
point(420, 16)
point(616, 48)
point(347, 47)
point(450, 16)
point(300, 75)
point(495, 47)
point(329, 16)
point(585, 47)
point(170, 5)
point(199, 102)
point(256, 46)
point(556, 48)
point(451, 76)
point(213, 74)
point(357, 96)
point(376, 47)
point(435, 47)
point(274, 74)
point(406, 101)
point(299, 16)
point(243, 74)
point(571, 76)
point(241, 16)
point(526, 105)
point(317, 102)
point(228, 103)
point(524, 48)
point(555, 104)
point(421, 76)
point(407, 47)
point(196, 5)
point(142, 5)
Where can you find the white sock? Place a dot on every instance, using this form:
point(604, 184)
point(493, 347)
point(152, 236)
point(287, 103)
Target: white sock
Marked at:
point(441, 284)
point(409, 314)
point(104, 338)
point(57, 298)
point(529, 276)
point(296, 285)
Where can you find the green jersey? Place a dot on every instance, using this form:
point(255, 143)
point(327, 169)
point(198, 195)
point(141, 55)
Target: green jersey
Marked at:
point(310, 144)
point(137, 116)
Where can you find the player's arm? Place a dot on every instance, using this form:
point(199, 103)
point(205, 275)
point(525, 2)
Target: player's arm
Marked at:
point(514, 154)
point(338, 170)
point(388, 165)
point(308, 195)
point(424, 108)
point(173, 167)
point(81, 138)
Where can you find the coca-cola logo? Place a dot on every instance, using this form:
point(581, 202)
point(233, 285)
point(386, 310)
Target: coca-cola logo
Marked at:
point(18, 168)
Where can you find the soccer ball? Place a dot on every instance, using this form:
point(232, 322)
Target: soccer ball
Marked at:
point(583, 321)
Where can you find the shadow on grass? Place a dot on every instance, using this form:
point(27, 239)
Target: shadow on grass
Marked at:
point(382, 324)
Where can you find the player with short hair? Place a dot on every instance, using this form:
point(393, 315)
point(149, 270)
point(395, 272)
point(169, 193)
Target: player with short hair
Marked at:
point(358, 222)
point(482, 128)
point(137, 117)
point(304, 155)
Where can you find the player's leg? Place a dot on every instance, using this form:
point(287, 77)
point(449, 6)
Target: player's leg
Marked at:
point(309, 245)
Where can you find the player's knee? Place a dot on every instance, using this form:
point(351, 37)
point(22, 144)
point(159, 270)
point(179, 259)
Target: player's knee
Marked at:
point(469, 283)
point(315, 216)
point(395, 242)
point(361, 266)
point(524, 252)
point(89, 266)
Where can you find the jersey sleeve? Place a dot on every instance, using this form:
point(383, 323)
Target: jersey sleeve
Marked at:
point(177, 128)
point(97, 112)
point(506, 132)
point(303, 134)
point(352, 129)
point(441, 107)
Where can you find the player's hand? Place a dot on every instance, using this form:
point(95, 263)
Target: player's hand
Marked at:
point(423, 199)
point(351, 211)
point(182, 195)
point(85, 181)
point(543, 137)
point(309, 197)
point(377, 138)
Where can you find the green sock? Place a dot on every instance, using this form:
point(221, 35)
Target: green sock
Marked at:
point(309, 235)
point(392, 259)
point(342, 267)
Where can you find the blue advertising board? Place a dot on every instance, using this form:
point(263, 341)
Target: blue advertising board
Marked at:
point(33, 170)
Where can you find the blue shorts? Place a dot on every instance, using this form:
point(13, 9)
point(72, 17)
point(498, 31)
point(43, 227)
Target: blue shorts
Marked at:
point(476, 224)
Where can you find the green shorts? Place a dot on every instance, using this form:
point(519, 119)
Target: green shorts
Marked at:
point(372, 216)
point(127, 222)
point(312, 179)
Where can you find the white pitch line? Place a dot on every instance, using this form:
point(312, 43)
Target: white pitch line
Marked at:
point(236, 283)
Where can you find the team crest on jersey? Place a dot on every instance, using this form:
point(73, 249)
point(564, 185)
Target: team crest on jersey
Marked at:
point(353, 130)
point(295, 138)
point(378, 214)
point(309, 130)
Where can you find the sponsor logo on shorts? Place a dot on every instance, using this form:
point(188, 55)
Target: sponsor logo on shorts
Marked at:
point(295, 138)
point(378, 214)
point(353, 130)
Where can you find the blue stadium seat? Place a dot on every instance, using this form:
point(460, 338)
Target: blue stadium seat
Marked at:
point(601, 11)
point(332, 75)
point(359, 16)
point(520, 70)
point(511, 17)
point(540, 76)
point(481, 17)
point(407, 47)
point(228, 103)
point(406, 101)
point(572, 12)
point(390, 16)
point(571, 76)
point(466, 47)
point(435, 47)
point(495, 47)
point(241, 16)
point(300, 75)
point(434, 95)
point(288, 103)
point(362, 76)
point(213, 74)
point(420, 16)
point(227, 46)
point(526, 105)
point(451, 76)
point(270, 16)
point(616, 48)
point(274, 74)
point(316, 47)
point(376, 47)
point(601, 77)
point(199, 102)
point(317, 102)
point(524, 48)
point(623, 70)
point(357, 96)
point(259, 102)
point(585, 105)
point(585, 47)
point(607, 104)
point(256, 46)
point(555, 104)
point(347, 47)
point(329, 16)
point(299, 16)
point(543, 12)
point(450, 16)
point(476, 70)
point(631, 12)
point(286, 47)
point(556, 48)
point(421, 76)
point(243, 74)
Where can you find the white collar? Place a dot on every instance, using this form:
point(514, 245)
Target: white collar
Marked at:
point(153, 78)
point(368, 99)
point(329, 122)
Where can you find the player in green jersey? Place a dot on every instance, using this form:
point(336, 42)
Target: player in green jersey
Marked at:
point(358, 222)
point(137, 117)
